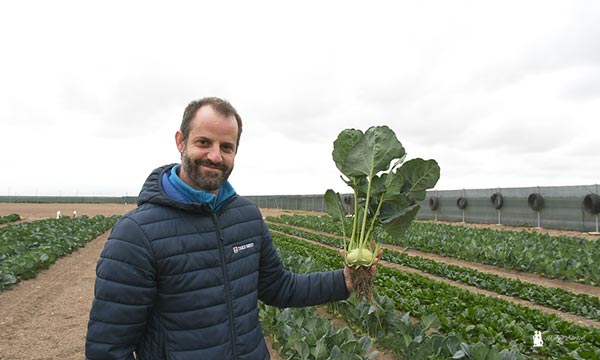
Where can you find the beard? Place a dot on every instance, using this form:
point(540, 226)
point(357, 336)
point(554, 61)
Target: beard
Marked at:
point(210, 180)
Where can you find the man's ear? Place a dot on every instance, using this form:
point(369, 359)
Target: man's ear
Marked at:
point(179, 141)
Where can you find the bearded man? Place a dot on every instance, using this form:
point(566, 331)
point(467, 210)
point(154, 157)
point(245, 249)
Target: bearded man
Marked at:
point(181, 275)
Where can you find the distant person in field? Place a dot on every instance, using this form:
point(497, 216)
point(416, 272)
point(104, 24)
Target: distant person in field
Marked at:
point(180, 276)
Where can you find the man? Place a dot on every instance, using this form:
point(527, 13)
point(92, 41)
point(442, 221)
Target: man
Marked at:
point(180, 276)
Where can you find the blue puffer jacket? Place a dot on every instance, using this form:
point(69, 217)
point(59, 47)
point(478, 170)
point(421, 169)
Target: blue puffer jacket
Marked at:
point(179, 281)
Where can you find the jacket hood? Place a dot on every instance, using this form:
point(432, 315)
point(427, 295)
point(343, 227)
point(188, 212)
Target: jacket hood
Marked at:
point(153, 193)
point(151, 190)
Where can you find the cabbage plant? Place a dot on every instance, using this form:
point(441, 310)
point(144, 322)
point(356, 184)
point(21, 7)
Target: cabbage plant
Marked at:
point(386, 190)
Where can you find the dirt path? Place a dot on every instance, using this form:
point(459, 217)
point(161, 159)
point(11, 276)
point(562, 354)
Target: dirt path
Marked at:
point(46, 317)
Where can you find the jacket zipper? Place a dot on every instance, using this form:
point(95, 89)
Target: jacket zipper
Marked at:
point(226, 286)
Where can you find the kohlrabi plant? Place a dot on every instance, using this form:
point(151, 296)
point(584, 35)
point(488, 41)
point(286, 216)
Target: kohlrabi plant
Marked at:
point(386, 191)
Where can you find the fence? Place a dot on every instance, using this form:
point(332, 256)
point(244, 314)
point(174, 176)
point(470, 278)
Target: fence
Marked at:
point(562, 207)
point(565, 207)
point(69, 199)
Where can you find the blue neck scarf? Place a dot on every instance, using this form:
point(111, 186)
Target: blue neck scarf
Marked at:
point(176, 189)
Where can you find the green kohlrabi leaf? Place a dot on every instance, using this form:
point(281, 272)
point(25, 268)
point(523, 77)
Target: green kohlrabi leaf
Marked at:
point(343, 144)
point(394, 183)
point(396, 224)
point(335, 208)
point(420, 175)
point(373, 153)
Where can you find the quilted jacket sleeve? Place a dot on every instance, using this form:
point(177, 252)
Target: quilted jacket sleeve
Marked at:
point(125, 289)
point(282, 288)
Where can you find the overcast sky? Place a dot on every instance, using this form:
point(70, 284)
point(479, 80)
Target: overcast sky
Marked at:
point(500, 93)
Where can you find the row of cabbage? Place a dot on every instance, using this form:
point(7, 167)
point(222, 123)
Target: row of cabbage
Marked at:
point(299, 333)
point(29, 247)
point(480, 318)
point(563, 257)
point(302, 334)
point(9, 218)
point(556, 298)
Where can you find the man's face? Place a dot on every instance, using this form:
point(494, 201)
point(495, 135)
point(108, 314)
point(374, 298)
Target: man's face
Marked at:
point(207, 156)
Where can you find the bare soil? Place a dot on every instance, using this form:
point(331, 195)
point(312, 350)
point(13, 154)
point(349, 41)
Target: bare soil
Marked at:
point(31, 211)
point(46, 317)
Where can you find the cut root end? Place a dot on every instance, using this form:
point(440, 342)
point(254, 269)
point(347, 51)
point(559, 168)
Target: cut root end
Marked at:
point(361, 283)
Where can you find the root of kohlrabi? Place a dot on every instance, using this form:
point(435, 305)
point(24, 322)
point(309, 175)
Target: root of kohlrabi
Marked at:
point(361, 282)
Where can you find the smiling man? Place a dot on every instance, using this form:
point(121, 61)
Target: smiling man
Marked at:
point(181, 275)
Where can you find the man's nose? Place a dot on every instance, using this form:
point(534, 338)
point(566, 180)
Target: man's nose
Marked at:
point(214, 155)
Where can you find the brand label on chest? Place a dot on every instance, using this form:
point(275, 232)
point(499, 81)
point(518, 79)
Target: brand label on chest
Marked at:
point(237, 249)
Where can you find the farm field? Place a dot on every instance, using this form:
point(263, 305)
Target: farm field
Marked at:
point(46, 317)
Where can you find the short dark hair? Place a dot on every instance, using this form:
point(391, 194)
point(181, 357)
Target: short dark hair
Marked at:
point(219, 105)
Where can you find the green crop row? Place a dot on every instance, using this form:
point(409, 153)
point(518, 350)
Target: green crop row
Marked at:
point(478, 318)
point(9, 218)
point(399, 334)
point(299, 333)
point(559, 299)
point(564, 257)
point(29, 247)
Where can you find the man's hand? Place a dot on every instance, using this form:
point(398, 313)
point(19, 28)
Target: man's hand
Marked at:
point(347, 277)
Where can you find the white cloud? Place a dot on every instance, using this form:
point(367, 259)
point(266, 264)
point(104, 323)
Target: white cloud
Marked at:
point(501, 94)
